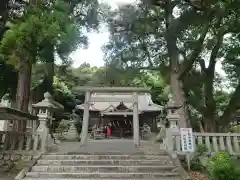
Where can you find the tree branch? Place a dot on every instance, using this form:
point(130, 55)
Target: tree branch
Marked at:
point(149, 68)
point(232, 107)
point(188, 63)
point(195, 4)
point(147, 53)
point(210, 102)
point(195, 104)
point(187, 18)
point(202, 65)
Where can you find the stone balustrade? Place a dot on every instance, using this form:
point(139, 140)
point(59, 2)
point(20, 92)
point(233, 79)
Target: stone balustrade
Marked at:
point(20, 141)
point(214, 142)
point(36, 137)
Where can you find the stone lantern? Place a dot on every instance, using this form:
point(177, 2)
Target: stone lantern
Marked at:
point(5, 101)
point(45, 110)
point(72, 133)
point(172, 115)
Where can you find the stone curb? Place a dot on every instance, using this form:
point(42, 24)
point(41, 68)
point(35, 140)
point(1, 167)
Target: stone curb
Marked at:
point(183, 174)
point(25, 170)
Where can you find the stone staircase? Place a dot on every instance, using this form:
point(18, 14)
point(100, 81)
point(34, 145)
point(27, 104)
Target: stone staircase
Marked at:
point(104, 166)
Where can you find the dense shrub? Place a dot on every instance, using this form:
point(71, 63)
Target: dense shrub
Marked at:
point(196, 164)
point(235, 129)
point(221, 167)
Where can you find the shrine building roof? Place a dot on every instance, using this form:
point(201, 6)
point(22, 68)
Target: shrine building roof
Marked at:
point(113, 100)
point(7, 113)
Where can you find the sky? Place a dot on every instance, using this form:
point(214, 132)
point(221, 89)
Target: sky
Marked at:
point(93, 54)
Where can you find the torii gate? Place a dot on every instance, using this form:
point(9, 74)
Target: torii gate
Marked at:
point(89, 99)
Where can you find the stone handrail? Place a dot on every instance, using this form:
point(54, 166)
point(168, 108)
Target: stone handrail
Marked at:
point(214, 142)
point(19, 141)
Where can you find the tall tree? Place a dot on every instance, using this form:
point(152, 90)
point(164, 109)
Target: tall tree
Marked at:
point(43, 30)
point(176, 36)
point(86, 17)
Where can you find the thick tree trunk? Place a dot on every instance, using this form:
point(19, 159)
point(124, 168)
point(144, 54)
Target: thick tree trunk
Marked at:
point(179, 98)
point(49, 71)
point(173, 53)
point(23, 89)
point(175, 82)
point(24, 84)
point(210, 124)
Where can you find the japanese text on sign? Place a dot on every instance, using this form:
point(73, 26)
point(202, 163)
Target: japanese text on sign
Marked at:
point(187, 139)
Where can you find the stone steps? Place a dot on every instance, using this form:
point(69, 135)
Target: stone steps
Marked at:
point(105, 157)
point(97, 175)
point(126, 162)
point(103, 166)
point(177, 178)
point(102, 169)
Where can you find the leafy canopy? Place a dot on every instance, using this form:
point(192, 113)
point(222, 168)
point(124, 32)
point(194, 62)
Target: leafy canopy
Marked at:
point(41, 26)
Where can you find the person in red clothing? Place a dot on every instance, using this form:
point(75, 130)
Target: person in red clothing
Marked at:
point(109, 133)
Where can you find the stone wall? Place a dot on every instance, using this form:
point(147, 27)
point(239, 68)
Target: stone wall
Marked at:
point(8, 160)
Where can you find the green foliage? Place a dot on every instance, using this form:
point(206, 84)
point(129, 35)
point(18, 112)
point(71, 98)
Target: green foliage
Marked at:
point(201, 149)
point(8, 79)
point(196, 163)
point(109, 76)
point(41, 26)
point(221, 167)
point(235, 129)
point(38, 30)
point(62, 128)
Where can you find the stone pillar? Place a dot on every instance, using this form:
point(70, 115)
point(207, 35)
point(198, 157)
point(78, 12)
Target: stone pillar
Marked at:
point(5, 101)
point(136, 137)
point(172, 115)
point(173, 118)
point(44, 116)
point(84, 133)
point(45, 110)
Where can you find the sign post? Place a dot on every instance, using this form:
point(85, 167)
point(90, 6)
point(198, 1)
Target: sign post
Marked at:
point(187, 142)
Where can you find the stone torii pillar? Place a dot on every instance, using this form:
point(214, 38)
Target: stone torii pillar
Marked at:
point(84, 132)
point(136, 137)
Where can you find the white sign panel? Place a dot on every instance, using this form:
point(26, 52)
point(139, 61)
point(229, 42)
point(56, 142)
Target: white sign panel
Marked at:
point(2, 123)
point(187, 139)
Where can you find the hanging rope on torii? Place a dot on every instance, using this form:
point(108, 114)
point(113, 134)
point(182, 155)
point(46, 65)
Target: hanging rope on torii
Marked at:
point(133, 99)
